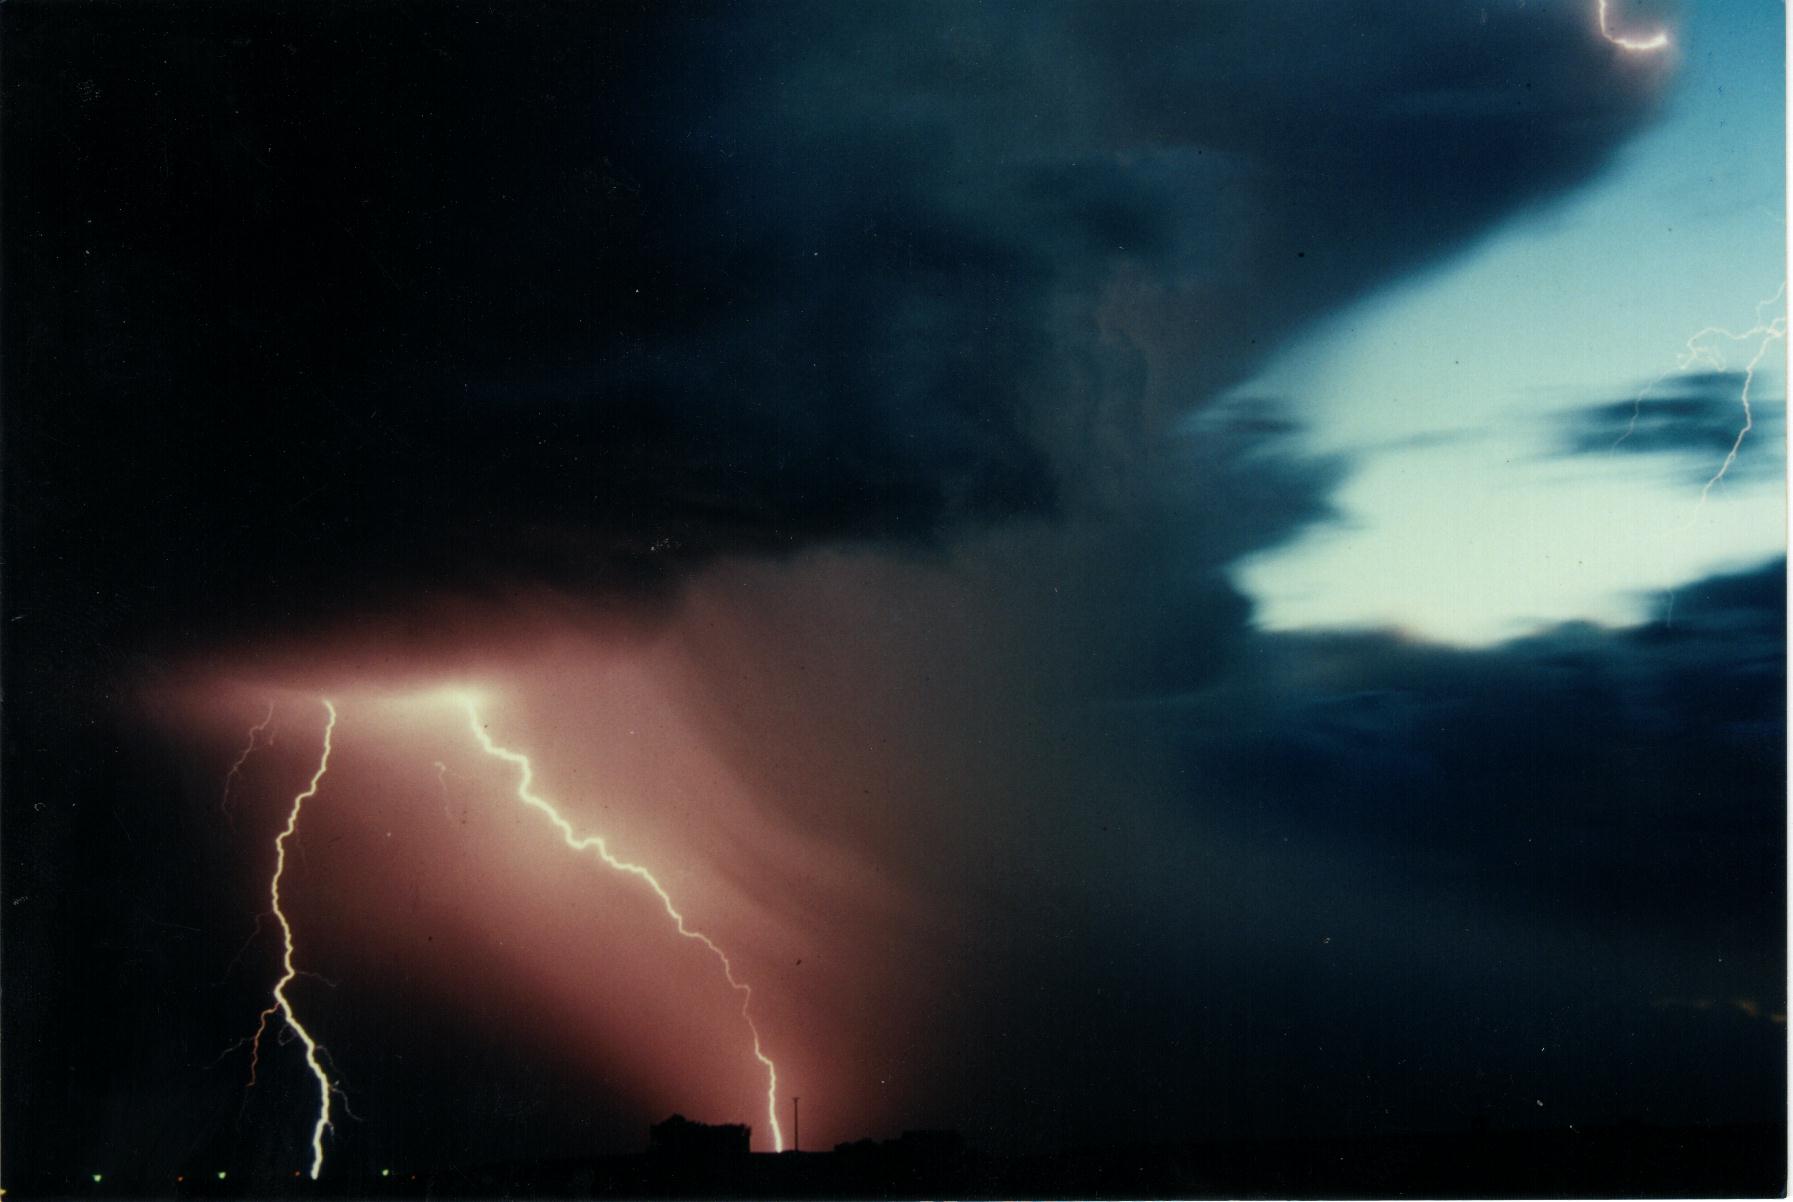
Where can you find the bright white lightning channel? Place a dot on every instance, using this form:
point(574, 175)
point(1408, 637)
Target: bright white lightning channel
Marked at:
point(1630, 42)
point(282, 1004)
point(596, 843)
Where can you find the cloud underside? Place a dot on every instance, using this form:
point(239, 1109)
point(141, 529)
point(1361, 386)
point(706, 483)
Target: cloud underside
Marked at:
point(1693, 421)
point(589, 301)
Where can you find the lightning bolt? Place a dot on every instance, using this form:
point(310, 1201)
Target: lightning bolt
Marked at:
point(596, 843)
point(1706, 349)
point(282, 1004)
point(1632, 45)
point(236, 769)
point(1703, 348)
point(442, 779)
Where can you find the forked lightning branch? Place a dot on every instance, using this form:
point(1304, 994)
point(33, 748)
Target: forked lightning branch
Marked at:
point(282, 1005)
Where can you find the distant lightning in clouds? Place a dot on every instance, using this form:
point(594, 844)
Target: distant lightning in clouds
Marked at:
point(1704, 347)
point(442, 779)
point(596, 843)
point(1707, 349)
point(282, 1004)
point(1627, 42)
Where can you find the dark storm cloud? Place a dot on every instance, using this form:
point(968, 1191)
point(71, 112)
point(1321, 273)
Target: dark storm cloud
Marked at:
point(1613, 776)
point(329, 307)
point(1425, 885)
point(1694, 419)
point(334, 309)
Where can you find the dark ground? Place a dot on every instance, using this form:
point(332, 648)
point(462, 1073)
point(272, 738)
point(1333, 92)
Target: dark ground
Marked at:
point(1629, 1161)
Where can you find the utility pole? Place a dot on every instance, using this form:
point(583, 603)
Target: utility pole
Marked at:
point(796, 1124)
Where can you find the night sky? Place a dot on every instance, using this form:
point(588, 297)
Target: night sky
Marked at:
point(1147, 570)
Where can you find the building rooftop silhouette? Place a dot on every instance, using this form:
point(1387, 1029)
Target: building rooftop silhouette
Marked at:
point(683, 1137)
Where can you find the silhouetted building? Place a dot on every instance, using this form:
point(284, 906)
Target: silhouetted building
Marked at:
point(912, 1145)
point(679, 1136)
